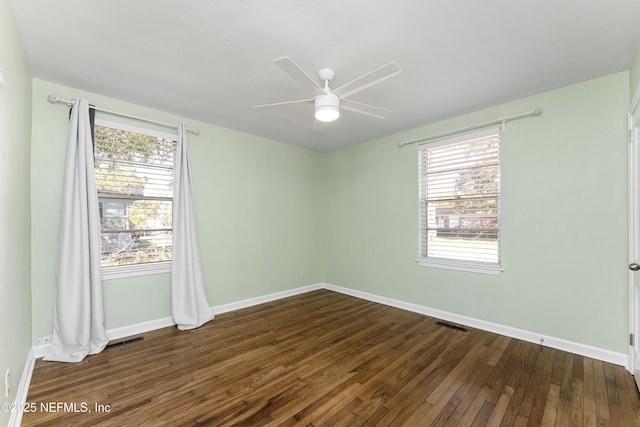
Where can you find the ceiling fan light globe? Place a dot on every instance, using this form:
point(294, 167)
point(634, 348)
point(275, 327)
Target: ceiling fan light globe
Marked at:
point(327, 107)
point(327, 114)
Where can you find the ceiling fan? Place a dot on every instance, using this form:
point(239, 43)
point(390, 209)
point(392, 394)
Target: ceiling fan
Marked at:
point(327, 101)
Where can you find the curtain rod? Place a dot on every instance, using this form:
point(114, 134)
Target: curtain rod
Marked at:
point(54, 99)
point(498, 121)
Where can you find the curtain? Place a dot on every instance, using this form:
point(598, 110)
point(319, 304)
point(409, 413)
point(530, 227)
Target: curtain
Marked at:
point(78, 325)
point(189, 305)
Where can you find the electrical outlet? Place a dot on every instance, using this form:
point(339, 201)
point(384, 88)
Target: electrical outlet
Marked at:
point(44, 340)
point(7, 383)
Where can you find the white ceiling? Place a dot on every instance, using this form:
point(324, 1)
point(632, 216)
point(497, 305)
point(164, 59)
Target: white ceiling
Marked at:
point(211, 60)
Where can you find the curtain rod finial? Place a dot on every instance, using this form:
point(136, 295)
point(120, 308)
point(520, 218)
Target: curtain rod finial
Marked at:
point(537, 111)
point(52, 99)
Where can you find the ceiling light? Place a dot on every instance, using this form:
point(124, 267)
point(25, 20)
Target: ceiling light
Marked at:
point(327, 107)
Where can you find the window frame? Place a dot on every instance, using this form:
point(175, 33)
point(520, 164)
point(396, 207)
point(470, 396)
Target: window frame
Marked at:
point(132, 270)
point(449, 263)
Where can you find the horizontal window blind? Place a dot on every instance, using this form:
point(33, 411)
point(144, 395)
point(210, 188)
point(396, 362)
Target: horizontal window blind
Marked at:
point(134, 178)
point(460, 200)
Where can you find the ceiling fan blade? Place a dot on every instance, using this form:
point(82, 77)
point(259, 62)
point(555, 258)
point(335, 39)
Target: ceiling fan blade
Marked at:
point(366, 109)
point(369, 79)
point(290, 67)
point(282, 104)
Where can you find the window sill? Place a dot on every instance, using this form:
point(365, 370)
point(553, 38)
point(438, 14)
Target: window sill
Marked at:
point(122, 271)
point(470, 266)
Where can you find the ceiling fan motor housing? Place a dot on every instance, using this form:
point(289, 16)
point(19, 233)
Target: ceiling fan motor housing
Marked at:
point(327, 107)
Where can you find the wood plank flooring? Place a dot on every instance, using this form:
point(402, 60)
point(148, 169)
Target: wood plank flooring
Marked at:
point(327, 359)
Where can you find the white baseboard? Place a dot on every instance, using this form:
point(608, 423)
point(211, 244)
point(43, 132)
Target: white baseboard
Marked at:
point(23, 390)
point(117, 333)
point(151, 325)
point(40, 351)
point(138, 328)
point(546, 340)
point(621, 359)
point(225, 308)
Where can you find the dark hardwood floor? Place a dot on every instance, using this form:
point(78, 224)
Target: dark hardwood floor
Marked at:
point(327, 359)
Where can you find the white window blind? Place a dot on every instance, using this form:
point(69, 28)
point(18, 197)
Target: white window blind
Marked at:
point(134, 177)
point(460, 202)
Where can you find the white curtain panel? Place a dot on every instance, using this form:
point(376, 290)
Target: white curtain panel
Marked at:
point(78, 325)
point(189, 305)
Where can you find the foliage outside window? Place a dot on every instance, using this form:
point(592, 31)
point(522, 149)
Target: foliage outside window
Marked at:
point(134, 177)
point(460, 203)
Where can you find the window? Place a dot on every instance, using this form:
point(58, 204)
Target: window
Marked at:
point(460, 203)
point(134, 177)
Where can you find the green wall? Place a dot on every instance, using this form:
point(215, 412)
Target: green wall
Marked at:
point(15, 125)
point(267, 210)
point(564, 216)
point(257, 205)
point(634, 72)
